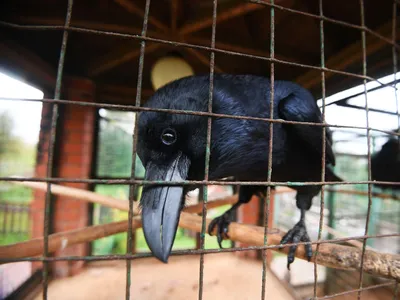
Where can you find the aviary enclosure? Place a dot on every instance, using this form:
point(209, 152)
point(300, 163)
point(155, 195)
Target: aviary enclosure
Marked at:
point(99, 62)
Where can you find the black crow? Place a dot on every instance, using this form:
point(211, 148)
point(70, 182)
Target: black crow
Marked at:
point(385, 164)
point(172, 147)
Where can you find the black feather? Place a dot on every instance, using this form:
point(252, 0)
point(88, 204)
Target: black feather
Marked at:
point(385, 164)
point(240, 147)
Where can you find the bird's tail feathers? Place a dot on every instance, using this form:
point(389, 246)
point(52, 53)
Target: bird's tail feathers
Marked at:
point(331, 176)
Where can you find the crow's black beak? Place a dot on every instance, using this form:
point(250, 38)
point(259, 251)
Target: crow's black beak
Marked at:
point(161, 205)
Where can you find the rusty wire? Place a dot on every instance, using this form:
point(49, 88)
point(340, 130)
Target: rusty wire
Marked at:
point(356, 290)
point(191, 251)
point(52, 143)
point(194, 113)
point(182, 44)
point(208, 149)
point(364, 53)
point(327, 19)
point(323, 156)
point(193, 182)
point(395, 62)
point(270, 145)
point(133, 181)
point(132, 188)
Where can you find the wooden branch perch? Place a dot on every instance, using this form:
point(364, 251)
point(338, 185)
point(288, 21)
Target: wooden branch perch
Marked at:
point(112, 202)
point(330, 255)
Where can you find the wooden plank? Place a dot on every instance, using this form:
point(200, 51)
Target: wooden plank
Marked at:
point(348, 56)
point(174, 15)
point(236, 48)
point(134, 9)
point(226, 46)
point(121, 90)
point(117, 57)
point(221, 17)
point(203, 59)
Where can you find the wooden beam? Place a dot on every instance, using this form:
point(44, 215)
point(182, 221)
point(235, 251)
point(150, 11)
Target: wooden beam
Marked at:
point(85, 24)
point(203, 59)
point(221, 17)
point(120, 94)
point(174, 15)
point(236, 48)
point(26, 65)
point(134, 9)
point(121, 90)
point(117, 57)
point(226, 46)
point(348, 56)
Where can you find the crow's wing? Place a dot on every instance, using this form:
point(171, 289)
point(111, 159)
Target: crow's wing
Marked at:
point(302, 108)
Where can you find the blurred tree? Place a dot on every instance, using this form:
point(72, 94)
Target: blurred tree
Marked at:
point(8, 142)
point(115, 151)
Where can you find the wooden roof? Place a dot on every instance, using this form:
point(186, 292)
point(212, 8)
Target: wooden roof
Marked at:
point(112, 62)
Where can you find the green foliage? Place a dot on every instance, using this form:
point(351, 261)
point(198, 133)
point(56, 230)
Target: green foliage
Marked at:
point(6, 138)
point(115, 152)
point(12, 238)
point(16, 158)
point(10, 193)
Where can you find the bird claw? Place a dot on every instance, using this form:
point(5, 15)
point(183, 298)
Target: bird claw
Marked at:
point(222, 222)
point(297, 234)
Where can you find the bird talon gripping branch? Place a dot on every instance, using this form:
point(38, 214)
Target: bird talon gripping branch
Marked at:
point(222, 223)
point(173, 147)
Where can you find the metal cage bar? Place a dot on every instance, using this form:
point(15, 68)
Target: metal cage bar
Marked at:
point(186, 45)
point(208, 148)
point(323, 156)
point(270, 149)
point(52, 143)
point(134, 181)
point(364, 46)
point(134, 149)
point(189, 251)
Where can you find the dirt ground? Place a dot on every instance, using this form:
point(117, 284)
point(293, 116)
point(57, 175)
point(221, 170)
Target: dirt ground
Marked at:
point(226, 276)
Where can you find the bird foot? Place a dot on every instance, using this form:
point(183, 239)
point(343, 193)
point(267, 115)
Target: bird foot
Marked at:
point(297, 234)
point(222, 222)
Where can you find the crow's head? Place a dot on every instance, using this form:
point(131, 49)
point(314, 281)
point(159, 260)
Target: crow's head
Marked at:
point(172, 148)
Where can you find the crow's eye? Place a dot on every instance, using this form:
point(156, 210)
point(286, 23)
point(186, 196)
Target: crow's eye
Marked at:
point(168, 136)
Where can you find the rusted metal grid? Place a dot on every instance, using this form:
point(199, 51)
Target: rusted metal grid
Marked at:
point(134, 181)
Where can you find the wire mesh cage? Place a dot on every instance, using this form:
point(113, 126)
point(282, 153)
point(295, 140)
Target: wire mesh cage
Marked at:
point(88, 143)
